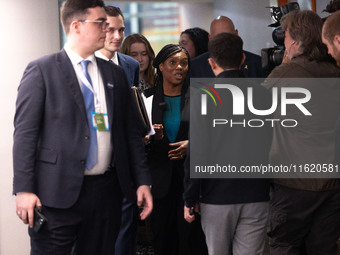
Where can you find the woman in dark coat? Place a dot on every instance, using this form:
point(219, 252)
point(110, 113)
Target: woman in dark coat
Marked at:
point(166, 155)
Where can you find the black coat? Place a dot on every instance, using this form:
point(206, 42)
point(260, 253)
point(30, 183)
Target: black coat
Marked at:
point(251, 68)
point(162, 169)
point(244, 146)
point(51, 131)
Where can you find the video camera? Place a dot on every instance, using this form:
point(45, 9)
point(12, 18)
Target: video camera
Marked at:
point(272, 57)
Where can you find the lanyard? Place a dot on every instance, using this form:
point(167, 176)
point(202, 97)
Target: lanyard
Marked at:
point(95, 85)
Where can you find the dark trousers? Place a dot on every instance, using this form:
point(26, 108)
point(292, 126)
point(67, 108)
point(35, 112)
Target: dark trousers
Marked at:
point(126, 243)
point(89, 227)
point(172, 234)
point(304, 222)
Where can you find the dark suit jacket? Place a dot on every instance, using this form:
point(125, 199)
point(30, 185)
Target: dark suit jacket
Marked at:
point(161, 167)
point(244, 146)
point(51, 137)
point(131, 68)
point(251, 68)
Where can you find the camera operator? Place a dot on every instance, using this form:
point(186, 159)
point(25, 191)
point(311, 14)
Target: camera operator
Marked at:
point(305, 213)
point(272, 57)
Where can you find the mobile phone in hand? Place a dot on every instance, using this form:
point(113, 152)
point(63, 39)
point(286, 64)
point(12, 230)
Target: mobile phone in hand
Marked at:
point(39, 220)
point(192, 211)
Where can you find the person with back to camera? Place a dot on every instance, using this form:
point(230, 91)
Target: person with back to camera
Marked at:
point(305, 213)
point(138, 47)
point(167, 151)
point(69, 160)
point(233, 211)
point(195, 41)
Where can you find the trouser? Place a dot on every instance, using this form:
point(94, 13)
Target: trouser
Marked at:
point(172, 234)
point(126, 243)
point(89, 227)
point(304, 222)
point(238, 229)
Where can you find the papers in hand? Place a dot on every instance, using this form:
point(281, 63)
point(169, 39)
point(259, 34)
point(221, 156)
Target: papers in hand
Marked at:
point(148, 107)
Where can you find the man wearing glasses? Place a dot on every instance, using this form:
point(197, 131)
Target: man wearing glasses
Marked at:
point(77, 147)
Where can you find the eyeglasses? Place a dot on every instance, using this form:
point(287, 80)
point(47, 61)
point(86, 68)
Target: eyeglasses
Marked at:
point(100, 22)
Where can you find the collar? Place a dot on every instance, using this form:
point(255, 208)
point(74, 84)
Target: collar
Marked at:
point(74, 57)
point(114, 59)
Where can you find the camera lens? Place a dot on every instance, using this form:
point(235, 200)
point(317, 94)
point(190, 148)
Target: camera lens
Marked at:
point(277, 56)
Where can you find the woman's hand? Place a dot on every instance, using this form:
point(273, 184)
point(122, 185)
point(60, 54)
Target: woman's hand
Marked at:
point(180, 152)
point(159, 131)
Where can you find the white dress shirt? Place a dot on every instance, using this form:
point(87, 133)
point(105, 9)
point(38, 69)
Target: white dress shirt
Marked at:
point(103, 137)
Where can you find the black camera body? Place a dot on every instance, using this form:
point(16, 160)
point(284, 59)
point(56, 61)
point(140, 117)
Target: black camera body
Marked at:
point(272, 57)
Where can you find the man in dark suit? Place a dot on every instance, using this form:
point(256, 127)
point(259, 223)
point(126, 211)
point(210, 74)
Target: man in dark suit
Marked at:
point(113, 41)
point(233, 211)
point(200, 68)
point(126, 243)
point(77, 146)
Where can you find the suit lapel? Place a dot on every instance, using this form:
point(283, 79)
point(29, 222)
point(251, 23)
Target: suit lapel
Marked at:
point(125, 65)
point(109, 87)
point(184, 102)
point(68, 75)
point(158, 106)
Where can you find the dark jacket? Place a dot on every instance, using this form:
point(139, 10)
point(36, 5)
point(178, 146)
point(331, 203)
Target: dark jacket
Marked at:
point(51, 131)
point(312, 140)
point(251, 68)
point(163, 169)
point(245, 146)
point(131, 68)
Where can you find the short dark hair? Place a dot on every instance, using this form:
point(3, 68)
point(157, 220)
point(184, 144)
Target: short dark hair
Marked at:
point(331, 26)
point(76, 9)
point(226, 50)
point(200, 39)
point(113, 11)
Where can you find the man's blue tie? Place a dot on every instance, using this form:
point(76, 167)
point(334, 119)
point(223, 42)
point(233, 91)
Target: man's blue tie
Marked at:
point(92, 154)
